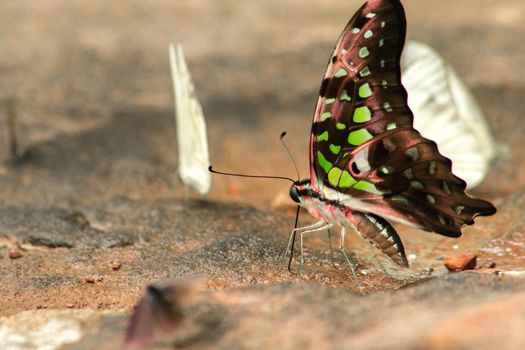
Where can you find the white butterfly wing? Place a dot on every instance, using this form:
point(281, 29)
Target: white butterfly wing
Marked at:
point(446, 112)
point(191, 127)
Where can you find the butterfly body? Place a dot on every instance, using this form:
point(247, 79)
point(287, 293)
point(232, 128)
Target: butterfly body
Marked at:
point(367, 162)
point(370, 227)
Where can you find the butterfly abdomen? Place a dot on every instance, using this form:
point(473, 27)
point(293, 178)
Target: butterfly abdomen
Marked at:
point(380, 233)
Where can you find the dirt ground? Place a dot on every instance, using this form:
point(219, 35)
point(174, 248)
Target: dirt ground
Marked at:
point(91, 88)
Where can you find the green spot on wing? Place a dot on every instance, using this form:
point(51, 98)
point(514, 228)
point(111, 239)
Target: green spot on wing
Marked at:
point(341, 73)
point(325, 116)
point(446, 188)
point(401, 199)
point(346, 180)
point(359, 137)
point(408, 174)
point(334, 175)
point(391, 126)
point(413, 153)
point(340, 178)
point(325, 164)
point(367, 186)
point(363, 52)
point(344, 96)
point(335, 149)
point(340, 126)
point(365, 91)
point(365, 72)
point(432, 168)
point(459, 209)
point(362, 114)
point(323, 137)
point(417, 185)
point(329, 101)
point(368, 34)
point(385, 169)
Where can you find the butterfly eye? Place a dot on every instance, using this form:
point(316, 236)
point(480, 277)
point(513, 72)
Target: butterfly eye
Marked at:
point(294, 194)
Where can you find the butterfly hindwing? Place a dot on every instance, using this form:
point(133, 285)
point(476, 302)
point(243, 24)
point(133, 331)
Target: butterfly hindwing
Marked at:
point(364, 150)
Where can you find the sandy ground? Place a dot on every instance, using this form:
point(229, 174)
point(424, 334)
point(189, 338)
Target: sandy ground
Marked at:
point(93, 95)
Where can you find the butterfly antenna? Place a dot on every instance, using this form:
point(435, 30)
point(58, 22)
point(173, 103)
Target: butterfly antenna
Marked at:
point(293, 240)
point(283, 134)
point(213, 171)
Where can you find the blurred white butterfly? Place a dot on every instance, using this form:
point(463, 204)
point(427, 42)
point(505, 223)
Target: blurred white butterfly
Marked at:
point(446, 113)
point(191, 127)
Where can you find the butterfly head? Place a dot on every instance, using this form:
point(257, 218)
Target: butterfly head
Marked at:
point(299, 190)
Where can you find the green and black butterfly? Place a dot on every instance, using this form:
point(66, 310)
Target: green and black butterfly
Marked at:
point(367, 162)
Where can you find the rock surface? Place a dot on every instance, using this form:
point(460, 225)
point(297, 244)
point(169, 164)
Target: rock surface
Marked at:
point(93, 215)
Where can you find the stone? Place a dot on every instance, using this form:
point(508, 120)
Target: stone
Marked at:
point(15, 253)
point(460, 262)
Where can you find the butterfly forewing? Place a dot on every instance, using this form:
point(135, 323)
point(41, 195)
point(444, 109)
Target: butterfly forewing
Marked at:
point(364, 150)
point(361, 95)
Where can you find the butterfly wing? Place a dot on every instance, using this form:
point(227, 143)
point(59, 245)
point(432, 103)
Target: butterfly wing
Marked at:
point(161, 308)
point(141, 327)
point(447, 113)
point(191, 126)
point(364, 151)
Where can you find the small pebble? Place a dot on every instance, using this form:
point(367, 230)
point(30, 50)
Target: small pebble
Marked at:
point(491, 265)
point(89, 280)
point(100, 279)
point(70, 306)
point(15, 253)
point(215, 284)
point(460, 262)
point(115, 265)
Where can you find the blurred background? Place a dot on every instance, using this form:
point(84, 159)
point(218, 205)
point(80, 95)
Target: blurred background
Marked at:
point(93, 213)
point(94, 97)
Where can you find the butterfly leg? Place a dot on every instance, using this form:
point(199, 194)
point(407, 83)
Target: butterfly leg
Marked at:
point(330, 247)
point(291, 241)
point(323, 227)
point(374, 255)
point(349, 263)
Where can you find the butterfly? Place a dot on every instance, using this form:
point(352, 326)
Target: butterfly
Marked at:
point(368, 165)
point(161, 308)
point(447, 113)
point(193, 155)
